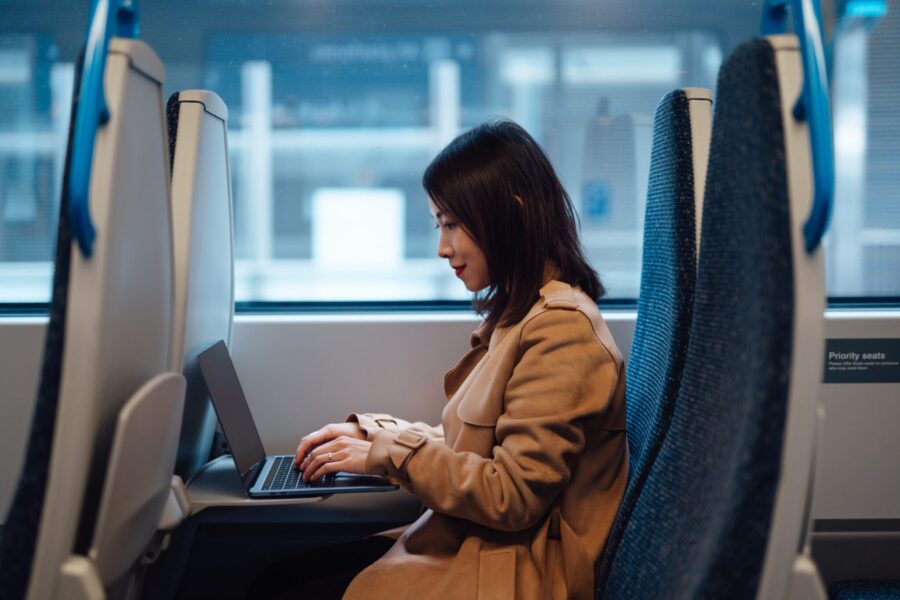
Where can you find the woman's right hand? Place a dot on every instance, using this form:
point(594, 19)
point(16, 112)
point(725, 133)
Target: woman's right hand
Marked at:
point(323, 436)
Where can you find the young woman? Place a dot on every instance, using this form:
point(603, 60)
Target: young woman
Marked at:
point(523, 477)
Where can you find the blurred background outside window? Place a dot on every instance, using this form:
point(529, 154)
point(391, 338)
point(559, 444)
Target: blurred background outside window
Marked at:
point(336, 108)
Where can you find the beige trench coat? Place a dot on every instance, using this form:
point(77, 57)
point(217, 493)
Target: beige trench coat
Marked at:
point(523, 478)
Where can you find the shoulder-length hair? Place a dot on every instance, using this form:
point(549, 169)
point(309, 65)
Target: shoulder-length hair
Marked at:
point(496, 181)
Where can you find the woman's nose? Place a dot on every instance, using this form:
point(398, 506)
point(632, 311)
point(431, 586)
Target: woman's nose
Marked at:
point(444, 250)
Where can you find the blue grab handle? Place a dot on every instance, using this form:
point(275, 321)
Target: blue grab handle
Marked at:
point(870, 10)
point(813, 105)
point(92, 111)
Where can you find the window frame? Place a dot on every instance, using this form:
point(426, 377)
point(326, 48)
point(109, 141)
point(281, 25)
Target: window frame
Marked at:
point(39, 309)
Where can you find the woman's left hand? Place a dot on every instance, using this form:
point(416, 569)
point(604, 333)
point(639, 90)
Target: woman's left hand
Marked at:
point(340, 454)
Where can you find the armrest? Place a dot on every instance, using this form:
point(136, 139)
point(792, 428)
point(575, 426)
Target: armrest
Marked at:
point(139, 476)
point(178, 506)
point(78, 580)
point(805, 582)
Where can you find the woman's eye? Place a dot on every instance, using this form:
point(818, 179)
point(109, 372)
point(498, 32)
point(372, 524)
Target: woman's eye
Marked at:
point(449, 226)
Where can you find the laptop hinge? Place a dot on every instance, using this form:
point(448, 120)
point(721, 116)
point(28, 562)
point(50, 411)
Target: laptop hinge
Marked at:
point(249, 479)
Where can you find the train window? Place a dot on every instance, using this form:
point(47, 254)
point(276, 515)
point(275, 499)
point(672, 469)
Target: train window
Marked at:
point(337, 107)
point(863, 246)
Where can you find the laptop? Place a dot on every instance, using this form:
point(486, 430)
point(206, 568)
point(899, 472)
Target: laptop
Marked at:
point(265, 476)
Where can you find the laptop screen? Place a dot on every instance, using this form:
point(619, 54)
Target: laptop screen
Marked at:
point(231, 407)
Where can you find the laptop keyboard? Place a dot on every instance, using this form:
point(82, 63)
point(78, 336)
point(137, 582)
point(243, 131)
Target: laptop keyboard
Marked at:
point(283, 476)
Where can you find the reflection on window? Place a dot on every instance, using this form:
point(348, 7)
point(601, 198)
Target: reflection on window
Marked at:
point(329, 135)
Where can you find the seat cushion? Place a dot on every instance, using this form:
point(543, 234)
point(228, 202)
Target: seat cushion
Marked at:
point(864, 590)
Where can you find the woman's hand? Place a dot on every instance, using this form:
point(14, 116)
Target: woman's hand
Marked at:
point(340, 454)
point(323, 436)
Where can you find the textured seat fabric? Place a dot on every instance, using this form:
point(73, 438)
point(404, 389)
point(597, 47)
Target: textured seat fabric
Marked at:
point(699, 528)
point(17, 545)
point(864, 590)
point(664, 308)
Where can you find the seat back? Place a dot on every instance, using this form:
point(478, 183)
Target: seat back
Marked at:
point(791, 517)
point(117, 322)
point(700, 107)
point(681, 131)
point(19, 538)
point(204, 256)
point(702, 524)
point(683, 121)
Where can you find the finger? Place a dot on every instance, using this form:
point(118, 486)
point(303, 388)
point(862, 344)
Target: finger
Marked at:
point(319, 469)
point(301, 452)
point(331, 445)
point(325, 446)
point(308, 442)
point(323, 455)
point(303, 447)
point(319, 466)
point(327, 469)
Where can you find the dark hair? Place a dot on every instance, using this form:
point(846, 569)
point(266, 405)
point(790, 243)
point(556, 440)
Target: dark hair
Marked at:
point(477, 178)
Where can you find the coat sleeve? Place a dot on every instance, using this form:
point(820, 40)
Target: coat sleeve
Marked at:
point(563, 376)
point(373, 423)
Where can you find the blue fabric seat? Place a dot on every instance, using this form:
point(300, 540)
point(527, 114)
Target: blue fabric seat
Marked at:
point(864, 590)
point(699, 528)
point(664, 307)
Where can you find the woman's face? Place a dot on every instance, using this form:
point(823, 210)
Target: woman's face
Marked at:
point(463, 254)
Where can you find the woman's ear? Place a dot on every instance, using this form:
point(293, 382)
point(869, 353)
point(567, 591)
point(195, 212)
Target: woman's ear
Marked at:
point(519, 199)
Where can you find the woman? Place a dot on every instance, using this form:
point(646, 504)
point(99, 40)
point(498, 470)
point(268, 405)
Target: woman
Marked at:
point(524, 475)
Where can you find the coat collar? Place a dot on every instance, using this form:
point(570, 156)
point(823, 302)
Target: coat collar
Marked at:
point(481, 336)
point(553, 293)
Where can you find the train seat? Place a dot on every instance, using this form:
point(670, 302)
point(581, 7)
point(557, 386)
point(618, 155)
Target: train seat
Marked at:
point(204, 260)
point(864, 590)
point(681, 133)
point(723, 509)
point(102, 447)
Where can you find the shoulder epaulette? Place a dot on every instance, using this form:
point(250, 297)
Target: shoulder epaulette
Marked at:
point(559, 295)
